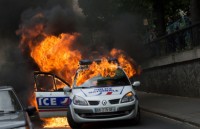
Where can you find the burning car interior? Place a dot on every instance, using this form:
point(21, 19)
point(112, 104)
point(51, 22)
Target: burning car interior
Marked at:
point(48, 82)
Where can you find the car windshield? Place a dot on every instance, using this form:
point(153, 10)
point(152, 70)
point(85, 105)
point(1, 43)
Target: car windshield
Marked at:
point(119, 79)
point(8, 102)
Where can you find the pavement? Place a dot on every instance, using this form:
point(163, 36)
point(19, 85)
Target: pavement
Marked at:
point(183, 109)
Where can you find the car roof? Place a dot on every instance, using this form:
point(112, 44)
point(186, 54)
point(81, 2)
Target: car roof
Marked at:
point(88, 62)
point(6, 88)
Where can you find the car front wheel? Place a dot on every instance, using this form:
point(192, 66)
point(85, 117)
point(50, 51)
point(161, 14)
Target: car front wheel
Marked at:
point(136, 120)
point(72, 123)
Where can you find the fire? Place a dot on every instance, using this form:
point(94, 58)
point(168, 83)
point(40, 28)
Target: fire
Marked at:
point(126, 63)
point(32, 101)
point(55, 122)
point(105, 69)
point(55, 54)
point(32, 98)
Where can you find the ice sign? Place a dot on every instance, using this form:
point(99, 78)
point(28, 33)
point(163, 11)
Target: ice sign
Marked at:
point(53, 101)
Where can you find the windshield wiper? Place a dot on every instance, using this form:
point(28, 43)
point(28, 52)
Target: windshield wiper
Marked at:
point(81, 87)
point(85, 87)
point(102, 86)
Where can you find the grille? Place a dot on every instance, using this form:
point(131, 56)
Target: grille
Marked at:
point(114, 101)
point(93, 102)
point(104, 115)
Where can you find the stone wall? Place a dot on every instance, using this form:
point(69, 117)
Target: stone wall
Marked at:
point(177, 78)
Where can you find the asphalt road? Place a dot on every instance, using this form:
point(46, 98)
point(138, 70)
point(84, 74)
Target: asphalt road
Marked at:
point(148, 121)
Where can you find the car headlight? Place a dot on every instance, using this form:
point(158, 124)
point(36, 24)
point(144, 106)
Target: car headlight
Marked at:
point(79, 101)
point(128, 97)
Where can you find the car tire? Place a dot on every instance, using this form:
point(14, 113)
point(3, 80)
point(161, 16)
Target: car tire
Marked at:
point(72, 123)
point(136, 120)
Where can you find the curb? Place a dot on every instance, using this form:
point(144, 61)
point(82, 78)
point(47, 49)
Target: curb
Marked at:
point(171, 117)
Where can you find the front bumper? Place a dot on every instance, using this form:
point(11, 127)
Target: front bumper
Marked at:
point(123, 111)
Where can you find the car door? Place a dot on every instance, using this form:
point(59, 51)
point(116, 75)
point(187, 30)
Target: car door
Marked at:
point(50, 97)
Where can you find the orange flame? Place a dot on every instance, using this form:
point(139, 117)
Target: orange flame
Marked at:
point(126, 63)
point(32, 98)
point(105, 69)
point(32, 101)
point(54, 54)
point(55, 122)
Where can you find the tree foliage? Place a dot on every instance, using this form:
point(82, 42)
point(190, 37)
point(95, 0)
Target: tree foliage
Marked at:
point(99, 12)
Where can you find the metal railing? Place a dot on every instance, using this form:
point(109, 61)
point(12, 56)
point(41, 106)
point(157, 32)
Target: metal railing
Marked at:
point(184, 39)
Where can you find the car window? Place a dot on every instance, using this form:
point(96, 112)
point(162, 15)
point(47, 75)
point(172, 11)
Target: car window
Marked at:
point(118, 79)
point(45, 83)
point(8, 101)
point(59, 84)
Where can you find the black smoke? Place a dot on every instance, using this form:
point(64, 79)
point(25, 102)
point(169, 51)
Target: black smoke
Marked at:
point(16, 67)
point(127, 32)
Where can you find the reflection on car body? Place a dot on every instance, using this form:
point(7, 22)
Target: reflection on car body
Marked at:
point(12, 113)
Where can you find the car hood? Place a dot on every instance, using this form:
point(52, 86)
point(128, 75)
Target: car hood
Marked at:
point(12, 120)
point(101, 91)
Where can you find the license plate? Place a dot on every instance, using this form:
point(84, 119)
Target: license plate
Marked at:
point(105, 109)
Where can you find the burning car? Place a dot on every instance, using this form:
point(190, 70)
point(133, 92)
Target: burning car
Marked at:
point(105, 94)
point(101, 91)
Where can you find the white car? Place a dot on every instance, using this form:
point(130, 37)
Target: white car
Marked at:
point(96, 99)
point(102, 99)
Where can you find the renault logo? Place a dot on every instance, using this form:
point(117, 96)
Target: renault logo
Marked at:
point(104, 102)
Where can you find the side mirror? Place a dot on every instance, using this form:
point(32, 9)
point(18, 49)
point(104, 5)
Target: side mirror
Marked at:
point(66, 89)
point(31, 110)
point(136, 83)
